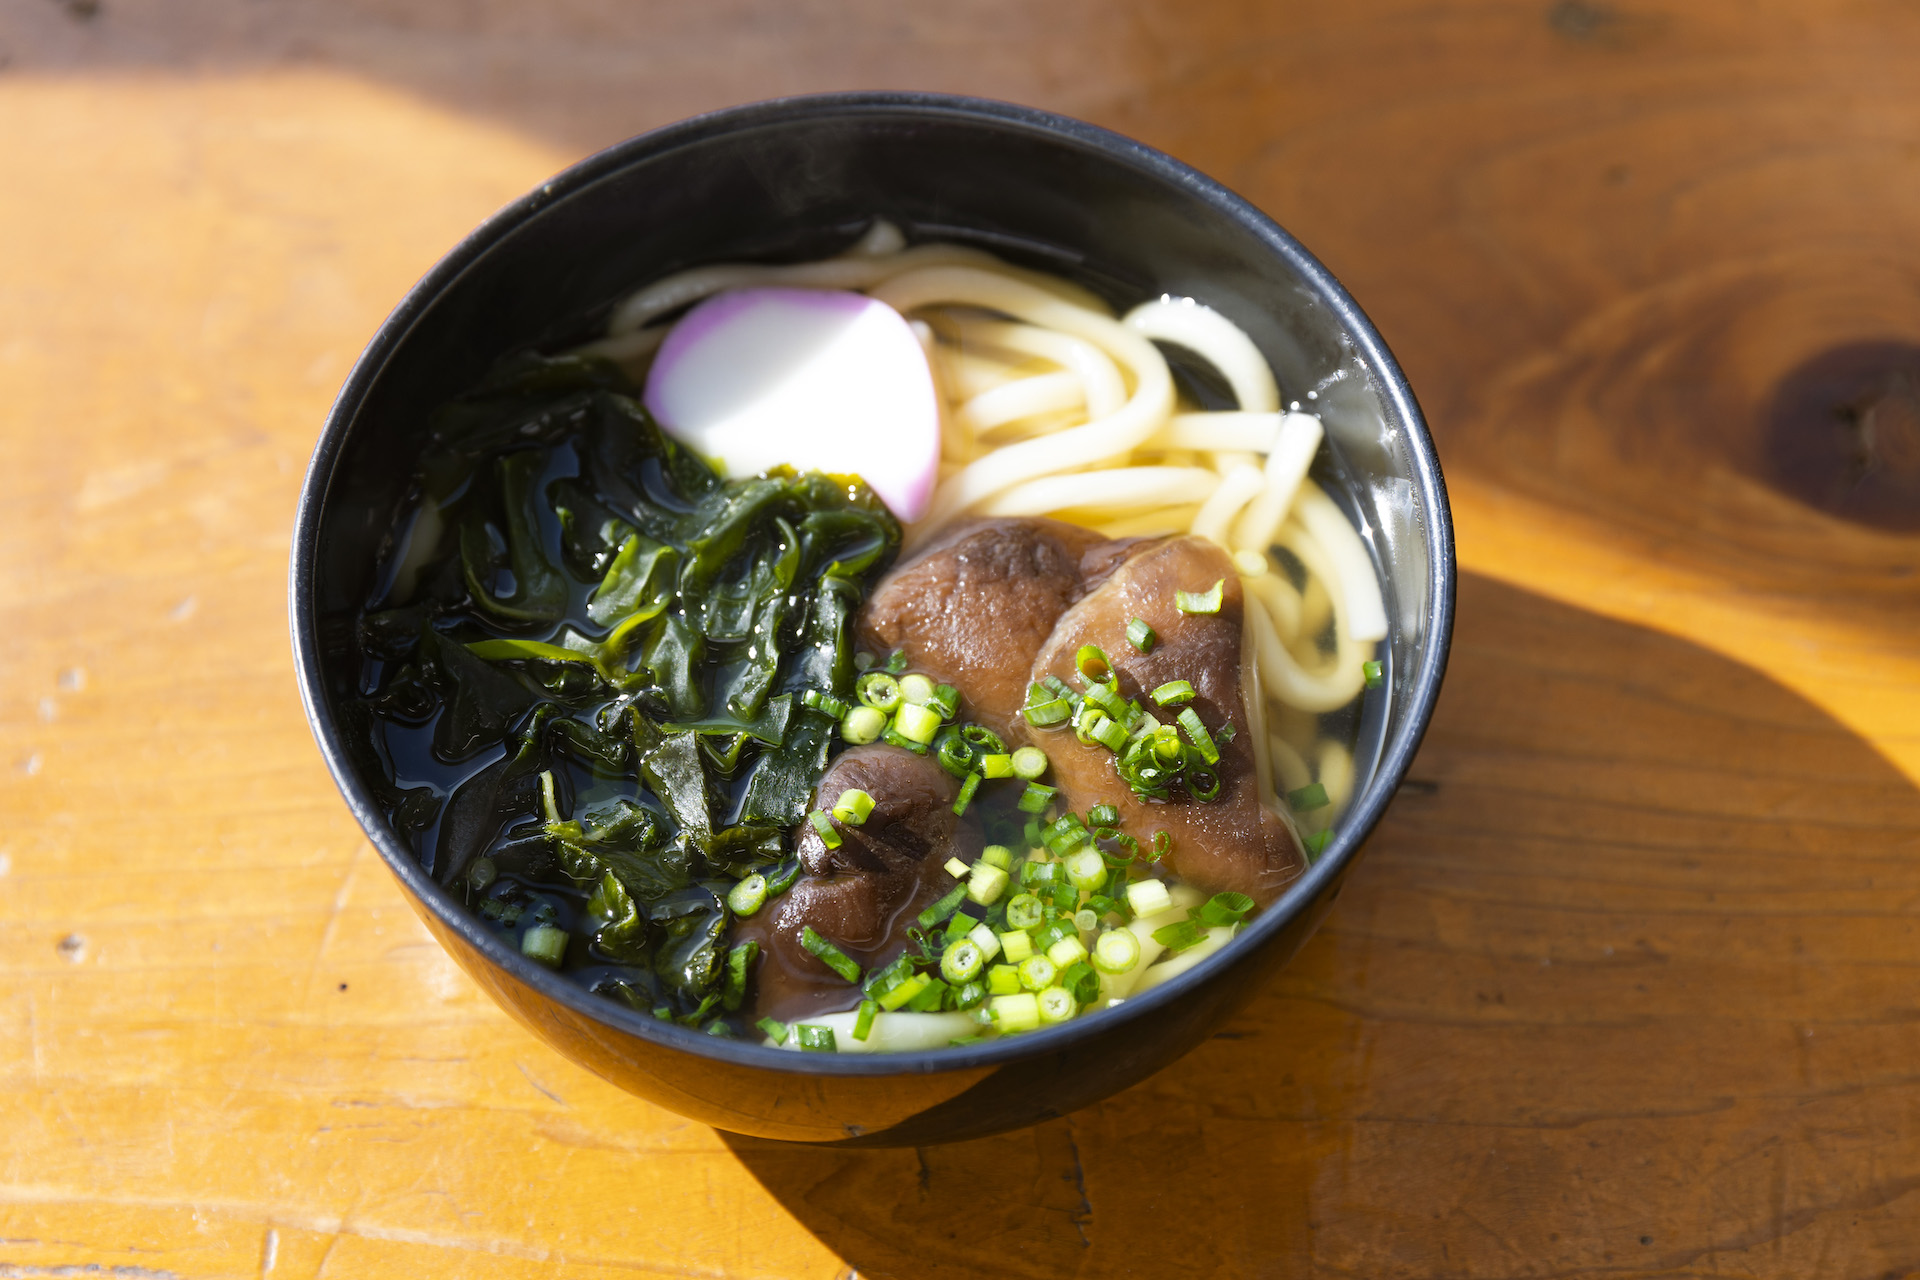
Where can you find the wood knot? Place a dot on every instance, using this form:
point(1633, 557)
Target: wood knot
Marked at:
point(1844, 433)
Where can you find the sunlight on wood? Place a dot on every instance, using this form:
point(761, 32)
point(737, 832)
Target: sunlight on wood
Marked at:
point(1624, 982)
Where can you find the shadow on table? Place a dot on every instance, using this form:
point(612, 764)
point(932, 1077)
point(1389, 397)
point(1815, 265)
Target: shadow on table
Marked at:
point(1623, 983)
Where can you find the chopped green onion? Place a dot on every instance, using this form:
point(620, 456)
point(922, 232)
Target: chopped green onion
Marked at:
point(1146, 897)
point(1003, 980)
point(1037, 973)
point(945, 907)
point(970, 994)
point(1317, 842)
point(894, 738)
point(945, 700)
point(1029, 763)
point(1202, 740)
point(916, 689)
point(1117, 951)
point(930, 996)
point(815, 1039)
point(748, 896)
point(1053, 931)
point(781, 875)
point(987, 883)
point(1036, 798)
point(1203, 784)
point(1035, 872)
point(1016, 1013)
point(1056, 1005)
point(983, 937)
point(1080, 979)
point(825, 702)
point(1107, 698)
point(546, 944)
point(1140, 635)
point(965, 798)
point(1086, 919)
point(863, 1025)
point(1225, 908)
point(1051, 689)
point(1051, 712)
point(916, 722)
point(1308, 798)
point(863, 661)
point(1067, 951)
point(1065, 834)
point(853, 806)
point(1146, 773)
point(997, 855)
point(831, 956)
point(1016, 946)
point(897, 661)
point(956, 868)
point(1200, 601)
point(983, 738)
point(957, 756)
point(1173, 693)
point(1087, 869)
point(1023, 912)
point(959, 925)
point(900, 994)
point(1103, 815)
point(863, 725)
point(1162, 845)
point(1092, 663)
point(482, 873)
point(1110, 735)
point(962, 963)
point(824, 825)
point(1371, 670)
point(776, 1031)
point(998, 765)
point(1179, 936)
point(878, 690)
point(889, 976)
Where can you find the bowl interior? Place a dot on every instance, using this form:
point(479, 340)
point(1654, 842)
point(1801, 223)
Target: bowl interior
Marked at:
point(801, 179)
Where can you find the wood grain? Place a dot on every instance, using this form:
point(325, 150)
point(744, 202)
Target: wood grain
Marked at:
point(1626, 983)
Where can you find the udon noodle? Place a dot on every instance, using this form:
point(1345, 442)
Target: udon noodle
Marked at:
point(1053, 405)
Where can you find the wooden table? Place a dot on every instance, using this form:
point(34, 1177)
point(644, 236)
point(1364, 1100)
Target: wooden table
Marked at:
point(1629, 981)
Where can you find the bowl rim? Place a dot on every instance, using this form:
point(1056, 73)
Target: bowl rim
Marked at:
point(1397, 752)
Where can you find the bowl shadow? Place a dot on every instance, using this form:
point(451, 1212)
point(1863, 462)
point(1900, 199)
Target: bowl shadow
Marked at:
point(1631, 934)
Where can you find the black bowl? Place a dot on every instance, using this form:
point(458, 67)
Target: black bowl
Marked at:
point(799, 178)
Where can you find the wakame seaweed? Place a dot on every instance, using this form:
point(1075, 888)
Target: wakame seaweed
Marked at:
point(582, 682)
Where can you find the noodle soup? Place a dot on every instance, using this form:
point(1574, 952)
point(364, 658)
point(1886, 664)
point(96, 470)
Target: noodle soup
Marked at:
point(963, 727)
